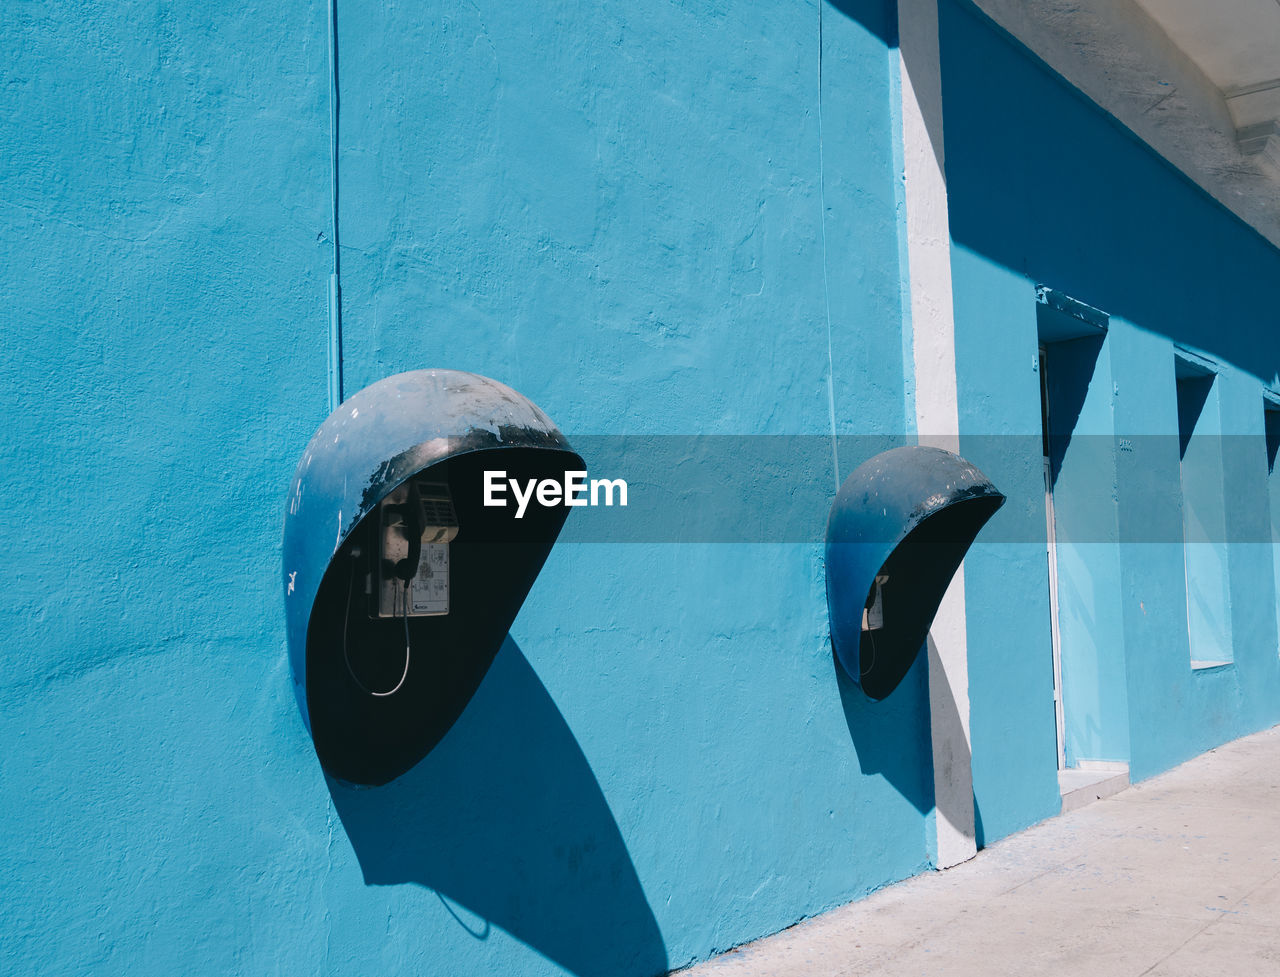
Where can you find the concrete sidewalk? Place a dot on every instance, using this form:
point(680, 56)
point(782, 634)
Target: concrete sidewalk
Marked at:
point(1179, 875)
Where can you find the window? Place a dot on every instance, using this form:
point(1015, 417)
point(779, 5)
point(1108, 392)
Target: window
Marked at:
point(1204, 536)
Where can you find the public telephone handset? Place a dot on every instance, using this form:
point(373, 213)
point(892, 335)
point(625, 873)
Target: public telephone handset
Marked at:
point(873, 619)
point(408, 570)
point(407, 535)
point(416, 524)
point(873, 610)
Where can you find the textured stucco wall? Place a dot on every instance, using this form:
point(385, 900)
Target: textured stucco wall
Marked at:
point(162, 183)
point(618, 212)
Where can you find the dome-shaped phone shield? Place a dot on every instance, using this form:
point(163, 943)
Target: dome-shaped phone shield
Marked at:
point(898, 530)
point(400, 584)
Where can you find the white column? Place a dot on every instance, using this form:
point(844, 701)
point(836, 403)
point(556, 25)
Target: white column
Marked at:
point(937, 414)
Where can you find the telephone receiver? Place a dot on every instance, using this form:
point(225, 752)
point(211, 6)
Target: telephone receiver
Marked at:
point(411, 511)
point(873, 611)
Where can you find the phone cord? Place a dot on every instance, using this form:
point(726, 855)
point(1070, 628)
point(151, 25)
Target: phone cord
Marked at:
point(346, 619)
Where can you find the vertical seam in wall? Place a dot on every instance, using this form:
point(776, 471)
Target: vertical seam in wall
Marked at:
point(826, 286)
point(335, 290)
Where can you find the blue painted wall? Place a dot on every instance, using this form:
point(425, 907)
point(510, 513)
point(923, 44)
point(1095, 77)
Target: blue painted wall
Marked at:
point(163, 181)
point(1204, 513)
point(618, 211)
point(661, 220)
point(1044, 188)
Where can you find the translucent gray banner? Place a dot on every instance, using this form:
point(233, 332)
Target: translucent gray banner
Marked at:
point(779, 488)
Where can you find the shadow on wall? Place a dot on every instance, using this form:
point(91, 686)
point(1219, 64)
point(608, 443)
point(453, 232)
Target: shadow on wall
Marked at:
point(891, 736)
point(1070, 367)
point(506, 818)
point(894, 738)
point(874, 16)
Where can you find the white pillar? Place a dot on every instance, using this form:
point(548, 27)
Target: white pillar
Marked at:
point(937, 413)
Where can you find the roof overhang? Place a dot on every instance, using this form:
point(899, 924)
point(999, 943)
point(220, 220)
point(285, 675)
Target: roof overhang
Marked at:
point(1198, 82)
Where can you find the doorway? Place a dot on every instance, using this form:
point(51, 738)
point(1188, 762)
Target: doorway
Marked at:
point(1051, 537)
point(1077, 449)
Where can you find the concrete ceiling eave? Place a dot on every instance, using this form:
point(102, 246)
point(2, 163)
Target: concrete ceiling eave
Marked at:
point(1190, 91)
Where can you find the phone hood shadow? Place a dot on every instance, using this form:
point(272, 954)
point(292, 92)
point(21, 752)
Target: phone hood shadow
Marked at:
point(891, 737)
point(506, 818)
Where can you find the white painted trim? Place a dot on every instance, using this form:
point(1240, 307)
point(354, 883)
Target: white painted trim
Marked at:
point(936, 406)
point(949, 730)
